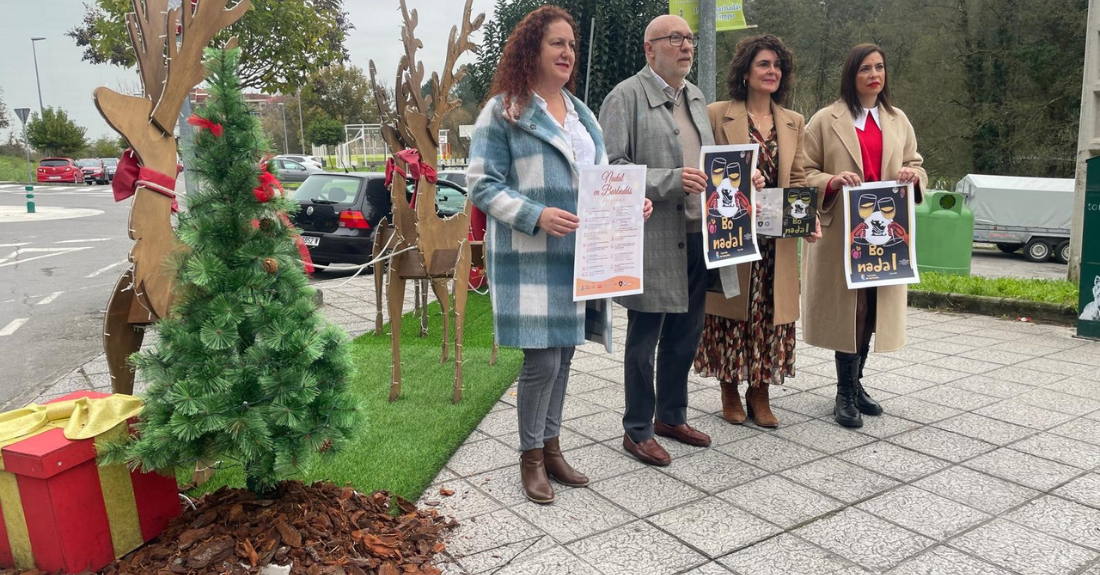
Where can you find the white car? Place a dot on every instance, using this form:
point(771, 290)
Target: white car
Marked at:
point(454, 176)
point(304, 160)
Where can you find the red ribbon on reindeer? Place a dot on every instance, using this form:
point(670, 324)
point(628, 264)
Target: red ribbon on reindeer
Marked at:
point(131, 175)
point(200, 123)
point(417, 169)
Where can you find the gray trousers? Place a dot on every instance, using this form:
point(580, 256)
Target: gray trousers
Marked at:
point(541, 394)
point(674, 338)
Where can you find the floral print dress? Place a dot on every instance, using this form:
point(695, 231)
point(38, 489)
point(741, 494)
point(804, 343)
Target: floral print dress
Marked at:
point(755, 350)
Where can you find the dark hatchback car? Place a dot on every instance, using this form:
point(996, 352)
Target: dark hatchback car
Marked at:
point(338, 213)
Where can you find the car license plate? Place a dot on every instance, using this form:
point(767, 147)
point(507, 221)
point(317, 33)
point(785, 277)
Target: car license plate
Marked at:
point(55, 177)
point(311, 241)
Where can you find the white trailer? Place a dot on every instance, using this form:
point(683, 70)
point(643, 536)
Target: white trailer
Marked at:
point(1016, 212)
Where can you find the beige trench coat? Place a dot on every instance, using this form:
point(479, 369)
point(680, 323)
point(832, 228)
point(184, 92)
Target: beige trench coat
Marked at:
point(731, 126)
point(832, 147)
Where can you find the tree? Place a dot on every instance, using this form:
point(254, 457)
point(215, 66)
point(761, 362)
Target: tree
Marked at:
point(617, 47)
point(281, 41)
point(54, 133)
point(341, 92)
point(5, 120)
point(325, 131)
point(104, 147)
point(246, 369)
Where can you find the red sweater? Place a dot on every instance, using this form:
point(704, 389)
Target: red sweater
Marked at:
point(870, 149)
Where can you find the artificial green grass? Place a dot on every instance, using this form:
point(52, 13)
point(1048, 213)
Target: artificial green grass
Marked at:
point(404, 444)
point(1060, 292)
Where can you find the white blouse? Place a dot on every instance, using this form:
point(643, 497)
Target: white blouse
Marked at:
point(861, 121)
point(584, 149)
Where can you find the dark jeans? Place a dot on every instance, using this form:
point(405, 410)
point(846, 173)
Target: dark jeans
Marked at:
point(674, 339)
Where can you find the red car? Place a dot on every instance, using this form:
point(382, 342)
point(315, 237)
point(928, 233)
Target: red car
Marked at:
point(94, 170)
point(59, 170)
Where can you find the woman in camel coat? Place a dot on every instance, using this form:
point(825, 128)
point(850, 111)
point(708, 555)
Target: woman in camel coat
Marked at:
point(837, 154)
point(751, 337)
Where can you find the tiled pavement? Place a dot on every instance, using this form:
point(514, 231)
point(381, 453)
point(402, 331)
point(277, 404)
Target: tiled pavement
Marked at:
point(986, 462)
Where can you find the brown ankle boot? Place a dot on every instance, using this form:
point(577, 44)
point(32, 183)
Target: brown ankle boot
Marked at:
point(557, 468)
point(759, 410)
point(533, 474)
point(732, 411)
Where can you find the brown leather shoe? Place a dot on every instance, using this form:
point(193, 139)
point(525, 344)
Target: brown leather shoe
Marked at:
point(759, 410)
point(683, 433)
point(533, 474)
point(557, 468)
point(732, 411)
point(648, 451)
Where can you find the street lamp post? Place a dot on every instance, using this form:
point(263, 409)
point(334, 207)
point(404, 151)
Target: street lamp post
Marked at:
point(301, 126)
point(286, 145)
point(37, 81)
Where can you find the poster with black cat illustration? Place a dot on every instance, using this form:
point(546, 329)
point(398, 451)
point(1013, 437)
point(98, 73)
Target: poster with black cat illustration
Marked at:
point(729, 228)
point(880, 244)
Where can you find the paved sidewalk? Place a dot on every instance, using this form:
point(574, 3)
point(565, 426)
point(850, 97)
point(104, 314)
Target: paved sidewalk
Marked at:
point(985, 462)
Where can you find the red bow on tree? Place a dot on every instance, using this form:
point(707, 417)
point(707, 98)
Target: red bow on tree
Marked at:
point(269, 184)
point(201, 123)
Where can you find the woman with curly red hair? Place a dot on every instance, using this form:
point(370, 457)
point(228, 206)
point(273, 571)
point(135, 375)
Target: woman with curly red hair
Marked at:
point(525, 150)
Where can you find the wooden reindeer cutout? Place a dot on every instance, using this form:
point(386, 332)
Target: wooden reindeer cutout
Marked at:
point(169, 70)
point(442, 251)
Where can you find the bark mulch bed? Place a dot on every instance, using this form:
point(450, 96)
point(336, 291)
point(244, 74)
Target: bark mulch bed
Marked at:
point(319, 529)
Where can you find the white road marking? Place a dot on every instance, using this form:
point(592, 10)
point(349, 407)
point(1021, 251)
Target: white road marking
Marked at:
point(14, 325)
point(50, 253)
point(83, 241)
point(101, 270)
point(15, 245)
point(49, 299)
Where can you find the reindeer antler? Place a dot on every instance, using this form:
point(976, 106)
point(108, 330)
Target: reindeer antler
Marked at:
point(185, 67)
point(457, 44)
point(148, 27)
point(414, 70)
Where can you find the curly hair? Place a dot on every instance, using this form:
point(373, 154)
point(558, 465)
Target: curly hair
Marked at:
point(518, 68)
point(848, 92)
point(747, 49)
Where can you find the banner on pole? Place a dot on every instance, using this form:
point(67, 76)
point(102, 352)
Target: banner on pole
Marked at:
point(728, 14)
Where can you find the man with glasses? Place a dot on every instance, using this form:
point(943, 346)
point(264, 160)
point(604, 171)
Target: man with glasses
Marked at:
point(658, 119)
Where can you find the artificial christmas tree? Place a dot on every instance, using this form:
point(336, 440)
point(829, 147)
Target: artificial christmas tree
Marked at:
point(246, 371)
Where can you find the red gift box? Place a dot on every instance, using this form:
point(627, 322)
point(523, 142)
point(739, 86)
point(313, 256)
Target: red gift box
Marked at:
point(63, 512)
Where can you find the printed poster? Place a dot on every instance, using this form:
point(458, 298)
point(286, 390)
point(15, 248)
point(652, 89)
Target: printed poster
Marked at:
point(729, 228)
point(608, 259)
point(880, 245)
point(786, 212)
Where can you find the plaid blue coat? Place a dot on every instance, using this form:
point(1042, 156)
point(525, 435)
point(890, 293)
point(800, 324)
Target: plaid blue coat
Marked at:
point(517, 169)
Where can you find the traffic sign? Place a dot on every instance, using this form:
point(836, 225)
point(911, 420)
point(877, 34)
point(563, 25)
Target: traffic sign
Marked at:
point(23, 113)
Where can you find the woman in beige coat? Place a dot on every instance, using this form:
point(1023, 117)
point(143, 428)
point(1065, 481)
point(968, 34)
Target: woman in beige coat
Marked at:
point(751, 337)
point(860, 138)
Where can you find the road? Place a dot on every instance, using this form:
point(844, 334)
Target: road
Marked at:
point(55, 278)
point(993, 263)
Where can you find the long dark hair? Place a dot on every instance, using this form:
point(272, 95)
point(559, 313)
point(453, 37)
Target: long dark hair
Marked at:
point(848, 79)
point(747, 49)
point(518, 67)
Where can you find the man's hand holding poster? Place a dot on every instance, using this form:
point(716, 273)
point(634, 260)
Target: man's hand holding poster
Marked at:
point(729, 228)
point(879, 244)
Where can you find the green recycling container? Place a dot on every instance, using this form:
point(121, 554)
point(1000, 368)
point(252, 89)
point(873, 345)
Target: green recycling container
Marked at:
point(945, 233)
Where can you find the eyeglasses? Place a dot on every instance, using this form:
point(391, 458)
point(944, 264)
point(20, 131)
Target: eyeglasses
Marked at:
point(677, 39)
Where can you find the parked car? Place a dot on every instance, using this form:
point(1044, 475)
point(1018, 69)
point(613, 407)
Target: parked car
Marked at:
point(307, 160)
point(338, 213)
point(59, 170)
point(289, 171)
point(111, 164)
point(1017, 212)
point(94, 170)
point(455, 176)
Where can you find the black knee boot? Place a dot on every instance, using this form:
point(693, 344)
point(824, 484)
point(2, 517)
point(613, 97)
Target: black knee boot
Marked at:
point(845, 411)
point(864, 402)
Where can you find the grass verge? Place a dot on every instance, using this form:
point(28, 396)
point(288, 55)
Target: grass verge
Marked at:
point(404, 444)
point(13, 169)
point(1060, 292)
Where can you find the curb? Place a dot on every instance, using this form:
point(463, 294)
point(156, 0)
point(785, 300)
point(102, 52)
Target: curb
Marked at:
point(994, 306)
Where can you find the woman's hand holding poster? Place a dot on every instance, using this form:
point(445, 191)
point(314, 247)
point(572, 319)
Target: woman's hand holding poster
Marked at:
point(880, 246)
point(729, 228)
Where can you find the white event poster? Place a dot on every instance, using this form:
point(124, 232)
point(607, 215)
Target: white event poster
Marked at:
point(610, 237)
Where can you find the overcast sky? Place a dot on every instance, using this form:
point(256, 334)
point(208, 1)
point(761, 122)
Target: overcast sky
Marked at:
point(67, 82)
